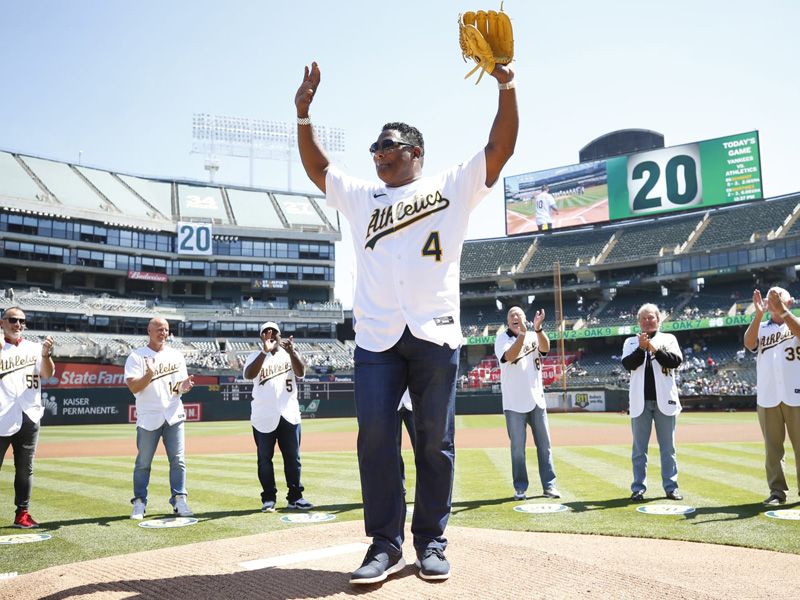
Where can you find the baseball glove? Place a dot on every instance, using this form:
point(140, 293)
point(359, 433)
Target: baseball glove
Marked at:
point(487, 38)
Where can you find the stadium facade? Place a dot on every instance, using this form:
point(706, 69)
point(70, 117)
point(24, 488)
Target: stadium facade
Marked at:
point(119, 249)
point(215, 260)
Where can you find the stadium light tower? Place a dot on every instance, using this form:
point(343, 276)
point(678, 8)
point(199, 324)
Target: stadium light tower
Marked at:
point(256, 138)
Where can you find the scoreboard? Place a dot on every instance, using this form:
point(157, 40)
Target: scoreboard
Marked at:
point(310, 391)
point(340, 388)
point(693, 176)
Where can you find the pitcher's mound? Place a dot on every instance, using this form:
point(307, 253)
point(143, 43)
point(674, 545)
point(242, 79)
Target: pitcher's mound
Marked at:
point(485, 564)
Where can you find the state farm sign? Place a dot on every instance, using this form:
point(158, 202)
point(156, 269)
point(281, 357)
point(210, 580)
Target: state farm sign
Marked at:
point(71, 375)
point(80, 375)
point(147, 276)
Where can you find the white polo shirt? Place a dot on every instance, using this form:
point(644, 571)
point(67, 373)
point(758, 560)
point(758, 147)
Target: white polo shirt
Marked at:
point(20, 386)
point(777, 366)
point(521, 379)
point(274, 392)
point(160, 401)
point(408, 243)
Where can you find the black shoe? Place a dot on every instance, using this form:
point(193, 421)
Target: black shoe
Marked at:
point(774, 500)
point(377, 566)
point(432, 564)
point(637, 496)
point(674, 495)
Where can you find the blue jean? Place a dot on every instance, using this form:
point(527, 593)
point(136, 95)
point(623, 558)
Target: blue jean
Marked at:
point(147, 442)
point(665, 434)
point(24, 444)
point(516, 425)
point(429, 372)
point(288, 437)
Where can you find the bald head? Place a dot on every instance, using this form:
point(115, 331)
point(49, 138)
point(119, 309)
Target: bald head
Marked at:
point(158, 331)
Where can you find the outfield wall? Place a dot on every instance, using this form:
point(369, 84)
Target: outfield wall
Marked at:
point(87, 406)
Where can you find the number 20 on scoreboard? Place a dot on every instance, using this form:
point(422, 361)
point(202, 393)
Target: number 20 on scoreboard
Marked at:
point(664, 180)
point(194, 238)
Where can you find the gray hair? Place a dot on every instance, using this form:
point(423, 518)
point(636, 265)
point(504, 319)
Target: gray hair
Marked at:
point(651, 308)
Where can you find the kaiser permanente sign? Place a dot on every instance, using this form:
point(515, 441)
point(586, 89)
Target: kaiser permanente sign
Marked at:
point(628, 330)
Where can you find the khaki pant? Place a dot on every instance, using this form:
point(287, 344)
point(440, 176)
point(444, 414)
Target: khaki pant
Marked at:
point(775, 423)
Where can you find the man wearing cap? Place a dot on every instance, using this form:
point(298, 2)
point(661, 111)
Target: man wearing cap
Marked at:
point(275, 414)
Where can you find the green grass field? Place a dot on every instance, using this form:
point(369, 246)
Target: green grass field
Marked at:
point(84, 502)
point(589, 197)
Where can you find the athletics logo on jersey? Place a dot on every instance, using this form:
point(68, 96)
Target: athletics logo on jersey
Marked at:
point(165, 370)
point(274, 370)
point(385, 221)
point(15, 363)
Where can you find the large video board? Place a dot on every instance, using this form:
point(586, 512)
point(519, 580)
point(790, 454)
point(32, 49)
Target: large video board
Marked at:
point(686, 177)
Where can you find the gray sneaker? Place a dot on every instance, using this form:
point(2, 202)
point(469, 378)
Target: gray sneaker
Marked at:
point(432, 564)
point(268, 506)
point(138, 510)
point(181, 508)
point(377, 566)
point(552, 492)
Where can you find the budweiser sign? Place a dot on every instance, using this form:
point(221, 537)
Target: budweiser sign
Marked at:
point(147, 276)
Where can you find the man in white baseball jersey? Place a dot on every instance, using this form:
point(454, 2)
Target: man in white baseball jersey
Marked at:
point(23, 364)
point(520, 353)
point(653, 358)
point(408, 231)
point(275, 414)
point(775, 342)
point(157, 376)
point(545, 207)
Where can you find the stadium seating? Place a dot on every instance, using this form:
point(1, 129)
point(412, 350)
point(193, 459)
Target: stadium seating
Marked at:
point(484, 259)
point(569, 249)
point(734, 226)
point(637, 241)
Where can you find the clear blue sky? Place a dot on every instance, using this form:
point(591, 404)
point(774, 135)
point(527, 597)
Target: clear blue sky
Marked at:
point(119, 81)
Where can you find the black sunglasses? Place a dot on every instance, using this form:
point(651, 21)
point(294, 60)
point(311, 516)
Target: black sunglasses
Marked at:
point(14, 320)
point(386, 146)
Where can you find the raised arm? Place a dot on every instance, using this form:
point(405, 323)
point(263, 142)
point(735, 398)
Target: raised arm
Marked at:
point(783, 310)
point(314, 159)
point(503, 136)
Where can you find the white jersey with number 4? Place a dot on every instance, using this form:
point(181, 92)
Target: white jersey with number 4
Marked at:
point(408, 243)
point(160, 400)
point(777, 366)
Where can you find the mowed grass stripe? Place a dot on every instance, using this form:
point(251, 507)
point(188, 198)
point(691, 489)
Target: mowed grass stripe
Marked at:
point(84, 503)
point(590, 472)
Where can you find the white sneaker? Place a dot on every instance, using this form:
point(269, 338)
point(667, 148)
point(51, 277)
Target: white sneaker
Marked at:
point(138, 510)
point(268, 506)
point(301, 503)
point(519, 496)
point(552, 493)
point(181, 509)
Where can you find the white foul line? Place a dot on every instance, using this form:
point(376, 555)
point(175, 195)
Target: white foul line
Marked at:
point(288, 559)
